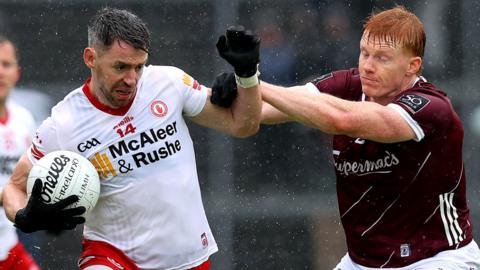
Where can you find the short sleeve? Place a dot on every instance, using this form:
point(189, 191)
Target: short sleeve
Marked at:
point(426, 114)
point(193, 94)
point(44, 141)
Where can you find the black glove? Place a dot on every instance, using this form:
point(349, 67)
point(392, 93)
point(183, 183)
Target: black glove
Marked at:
point(224, 90)
point(240, 48)
point(38, 215)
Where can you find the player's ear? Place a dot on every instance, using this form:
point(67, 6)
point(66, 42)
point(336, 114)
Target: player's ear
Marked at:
point(18, 73)
point(89, 57)
point(415, 65)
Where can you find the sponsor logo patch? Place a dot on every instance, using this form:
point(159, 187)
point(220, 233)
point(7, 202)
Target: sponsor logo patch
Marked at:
point(124, 121)
point(189, 81)
point(404, 250)
point(104, 166)
point(381, 165)
point(414, 102)
point(136, 151)
point(204, 240)
point(83, 146)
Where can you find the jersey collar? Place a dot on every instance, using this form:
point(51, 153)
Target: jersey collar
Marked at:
point(4, 120)
point(104, 108)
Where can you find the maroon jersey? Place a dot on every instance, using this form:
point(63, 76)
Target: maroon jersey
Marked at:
point(401, 202)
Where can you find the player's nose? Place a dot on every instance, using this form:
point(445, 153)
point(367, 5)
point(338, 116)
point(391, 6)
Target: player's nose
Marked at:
point(130, 78)
point(368, 65)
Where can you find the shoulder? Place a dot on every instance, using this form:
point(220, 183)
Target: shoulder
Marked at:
point(429, 107)
point(167, 76)
point(153, 72)
point(21, 114)
point(74, 103)
point(422, 96)
point(18, 110)
point(344, 84)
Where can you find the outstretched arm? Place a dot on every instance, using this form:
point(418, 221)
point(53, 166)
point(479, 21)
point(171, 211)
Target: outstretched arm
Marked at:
point(271, 115)
point(367, 120)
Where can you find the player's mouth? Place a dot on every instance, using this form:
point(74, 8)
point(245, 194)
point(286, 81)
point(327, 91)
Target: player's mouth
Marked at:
point(124, 94)
point(366, 80)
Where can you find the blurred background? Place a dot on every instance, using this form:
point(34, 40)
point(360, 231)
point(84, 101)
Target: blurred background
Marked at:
point(270, 199)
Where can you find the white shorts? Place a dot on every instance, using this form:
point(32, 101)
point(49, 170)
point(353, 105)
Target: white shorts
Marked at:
point(464, 258)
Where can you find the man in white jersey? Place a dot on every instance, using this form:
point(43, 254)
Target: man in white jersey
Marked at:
point(16, 127)
point(128, 119)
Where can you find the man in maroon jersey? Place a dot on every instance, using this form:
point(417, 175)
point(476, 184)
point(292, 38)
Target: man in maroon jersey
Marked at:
point(397, 151)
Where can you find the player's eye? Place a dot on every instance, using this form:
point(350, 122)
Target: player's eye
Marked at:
point(139, 68)
point(7, 64)
point(119, 67)
point(382, 58)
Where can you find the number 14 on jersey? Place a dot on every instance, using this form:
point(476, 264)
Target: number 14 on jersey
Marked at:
point(124, 131)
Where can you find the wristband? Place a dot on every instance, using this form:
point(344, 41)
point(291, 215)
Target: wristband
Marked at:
point(247, 82)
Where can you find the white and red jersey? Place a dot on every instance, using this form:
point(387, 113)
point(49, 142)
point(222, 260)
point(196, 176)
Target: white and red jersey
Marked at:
point(401, 202)
point(15, 136)
point(150, 206)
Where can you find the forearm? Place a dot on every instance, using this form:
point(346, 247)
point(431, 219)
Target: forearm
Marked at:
point(246, 110)
point(271, 116)
point(14, 192)
point(13, 200)
point(320, 111)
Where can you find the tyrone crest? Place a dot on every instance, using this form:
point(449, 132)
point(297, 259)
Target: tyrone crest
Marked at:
point(158, 108)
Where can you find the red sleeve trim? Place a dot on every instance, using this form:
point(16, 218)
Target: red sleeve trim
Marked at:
point(36, 153)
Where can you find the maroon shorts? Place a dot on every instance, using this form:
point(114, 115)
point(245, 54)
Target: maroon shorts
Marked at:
point(18, 259)
point(101, 253)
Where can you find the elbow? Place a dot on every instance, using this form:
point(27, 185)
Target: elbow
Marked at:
point(342, 123)
point(246, 131)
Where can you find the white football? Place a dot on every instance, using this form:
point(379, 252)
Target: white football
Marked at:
point(66, 173)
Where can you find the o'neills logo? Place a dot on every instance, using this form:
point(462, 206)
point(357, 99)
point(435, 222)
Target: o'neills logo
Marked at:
point(54, 172)
point(380, 165)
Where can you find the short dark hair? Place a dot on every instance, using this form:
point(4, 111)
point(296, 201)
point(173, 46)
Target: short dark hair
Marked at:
point(110, 24)
point(4, 39)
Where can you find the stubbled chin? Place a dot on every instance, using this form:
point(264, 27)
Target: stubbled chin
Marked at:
point(121, 102)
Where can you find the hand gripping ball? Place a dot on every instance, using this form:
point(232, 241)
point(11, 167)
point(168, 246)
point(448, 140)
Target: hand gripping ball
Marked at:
point(66, 173)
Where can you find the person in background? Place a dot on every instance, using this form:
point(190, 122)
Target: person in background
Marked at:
point(16, 129)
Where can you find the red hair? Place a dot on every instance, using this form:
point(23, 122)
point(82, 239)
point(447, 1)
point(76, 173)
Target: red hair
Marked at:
point(398, 25)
